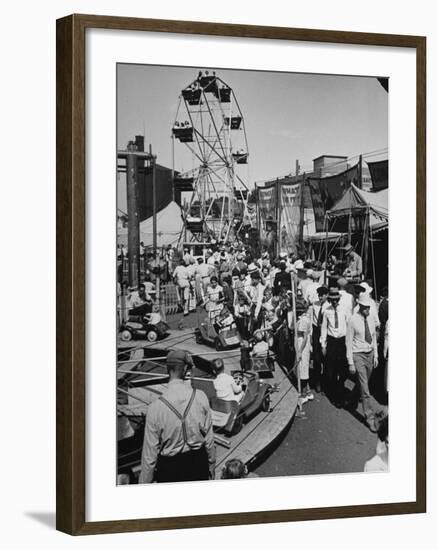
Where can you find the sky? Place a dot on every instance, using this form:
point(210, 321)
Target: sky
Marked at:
point(288, 116)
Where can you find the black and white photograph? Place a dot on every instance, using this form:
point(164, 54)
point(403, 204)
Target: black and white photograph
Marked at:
point(252, 269)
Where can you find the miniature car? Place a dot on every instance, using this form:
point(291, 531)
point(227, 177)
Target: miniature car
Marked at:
point(143, 324)
point(225, 338)
point(230, 416)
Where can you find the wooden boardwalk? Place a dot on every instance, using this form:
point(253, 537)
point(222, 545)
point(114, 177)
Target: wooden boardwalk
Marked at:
point(256, 435)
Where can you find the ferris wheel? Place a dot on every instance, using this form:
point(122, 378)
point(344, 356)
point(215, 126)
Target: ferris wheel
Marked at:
point(210, 128)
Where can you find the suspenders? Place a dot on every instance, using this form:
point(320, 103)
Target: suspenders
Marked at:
point(182, 417)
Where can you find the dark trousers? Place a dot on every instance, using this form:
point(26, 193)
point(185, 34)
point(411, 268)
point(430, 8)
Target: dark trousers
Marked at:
point(335, 371)
point(189, 466)
point(317, 358)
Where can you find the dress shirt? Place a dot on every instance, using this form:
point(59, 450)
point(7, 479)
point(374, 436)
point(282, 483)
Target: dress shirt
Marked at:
point(356, 336)
point(315, 310)
point(328, 324)
point(346, 301)
point(163, 434)
point(373, 311)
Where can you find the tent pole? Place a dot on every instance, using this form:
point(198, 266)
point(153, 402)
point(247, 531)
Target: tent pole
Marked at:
point(366, 242)
point(325, 221)
point(372, 250)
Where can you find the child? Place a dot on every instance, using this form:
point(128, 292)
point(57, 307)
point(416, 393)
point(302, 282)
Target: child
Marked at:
point(234, 469)
point(225, 385)
point(261, 347)
point(224, 320)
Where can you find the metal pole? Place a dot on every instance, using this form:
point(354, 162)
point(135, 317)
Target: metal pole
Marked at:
point(360, 172)
point(153, 166)
point(172, 168)
point(133, 228)
point(293, 297)
point(301, 212)
point(275, 242)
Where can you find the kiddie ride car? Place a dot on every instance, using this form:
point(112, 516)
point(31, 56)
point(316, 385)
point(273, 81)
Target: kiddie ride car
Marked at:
point(220, 332)
point(230, 416)
point(143, 323)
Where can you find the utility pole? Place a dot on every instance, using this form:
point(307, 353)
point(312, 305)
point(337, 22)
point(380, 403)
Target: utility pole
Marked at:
point(133, 227)
point(153, 167)
point(301, 207)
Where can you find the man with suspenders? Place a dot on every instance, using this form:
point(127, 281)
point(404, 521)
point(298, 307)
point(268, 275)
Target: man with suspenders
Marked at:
point(178, 437)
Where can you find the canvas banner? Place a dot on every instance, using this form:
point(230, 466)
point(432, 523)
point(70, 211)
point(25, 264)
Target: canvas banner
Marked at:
point(289, 209)
point(267, 212)
point(379, 174)
point(326, 192)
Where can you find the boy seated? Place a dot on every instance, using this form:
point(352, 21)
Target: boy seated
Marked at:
point(261, 347)
point(225, 385)
point(224, 320)
point(154, 317)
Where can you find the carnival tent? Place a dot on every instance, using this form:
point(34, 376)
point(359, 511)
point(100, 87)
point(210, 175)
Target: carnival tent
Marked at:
point(356, 201)
point(169, 226)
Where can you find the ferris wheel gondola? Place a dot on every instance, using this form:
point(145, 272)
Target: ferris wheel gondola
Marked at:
point(210, 128)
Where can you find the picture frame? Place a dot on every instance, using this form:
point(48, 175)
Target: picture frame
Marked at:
point(71, 204)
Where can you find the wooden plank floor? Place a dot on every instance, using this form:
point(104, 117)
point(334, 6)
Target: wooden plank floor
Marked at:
point(257, 434)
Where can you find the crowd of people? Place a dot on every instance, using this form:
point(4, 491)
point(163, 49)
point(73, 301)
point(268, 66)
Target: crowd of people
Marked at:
point(319, 319)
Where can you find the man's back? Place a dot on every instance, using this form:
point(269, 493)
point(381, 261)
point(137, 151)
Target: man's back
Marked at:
point(176, 423)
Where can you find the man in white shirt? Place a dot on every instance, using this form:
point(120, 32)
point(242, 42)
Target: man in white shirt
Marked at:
point(225, 385)
point(333, 342)
point(203, 271)
point(362, 353)
point(366, 290)
point(181, 278)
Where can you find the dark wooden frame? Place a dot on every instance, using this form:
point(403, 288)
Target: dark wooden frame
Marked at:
point(70, 205)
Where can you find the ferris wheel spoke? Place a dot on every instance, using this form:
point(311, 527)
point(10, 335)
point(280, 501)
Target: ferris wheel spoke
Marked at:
point(195, 153)
point(215, 126)
point(198, 134)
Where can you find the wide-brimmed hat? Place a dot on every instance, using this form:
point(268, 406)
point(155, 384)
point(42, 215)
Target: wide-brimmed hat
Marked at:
point(364, 301)
point(322, 289)
point(334, 294)
point(348, 248)
point(366, 287)
point(252, 268)
point(298, 264)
